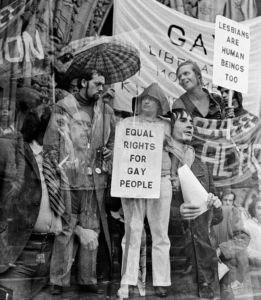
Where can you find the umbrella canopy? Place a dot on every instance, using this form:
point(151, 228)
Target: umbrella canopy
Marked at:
point(117, 59)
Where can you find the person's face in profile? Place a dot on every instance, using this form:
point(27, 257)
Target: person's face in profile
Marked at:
point(188, 78)
point(95, 87)
point(258, 211)
point(225, 95)
point(73, 86)
point(149, 105)
point(183, 129)
point(228, 200)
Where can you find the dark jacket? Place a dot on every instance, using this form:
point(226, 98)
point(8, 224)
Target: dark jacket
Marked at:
point(102, 134)
point(216, 106)
point(193, 238)
point(230, 235)
point(21, 216)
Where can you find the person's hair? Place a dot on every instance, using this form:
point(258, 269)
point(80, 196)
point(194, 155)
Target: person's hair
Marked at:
point(252, 207)
point(195, 68)
point(35, 122)
point(228, 193)
point(176, 114)
point(237, 95)
point(88, 75)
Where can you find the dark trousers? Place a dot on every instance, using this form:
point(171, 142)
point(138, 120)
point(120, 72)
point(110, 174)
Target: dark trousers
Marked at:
point(31, 271)
point(238, 268)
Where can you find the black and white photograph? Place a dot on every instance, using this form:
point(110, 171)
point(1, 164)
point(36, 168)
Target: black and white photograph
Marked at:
point(130, 149)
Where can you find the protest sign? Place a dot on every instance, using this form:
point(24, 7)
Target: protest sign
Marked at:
point(231, 55)
point(137, 160)
point(167, 41)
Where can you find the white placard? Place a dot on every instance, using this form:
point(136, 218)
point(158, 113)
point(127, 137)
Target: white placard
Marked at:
point(137, 160)
point(192, 190)
point(231, 55)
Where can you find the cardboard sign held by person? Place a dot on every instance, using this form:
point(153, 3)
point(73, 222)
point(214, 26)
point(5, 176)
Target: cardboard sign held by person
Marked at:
point(137, 160)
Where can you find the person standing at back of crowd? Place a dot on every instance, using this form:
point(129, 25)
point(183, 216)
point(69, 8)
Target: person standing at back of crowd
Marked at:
point(237, 101)
point(73, 86)
point(197, 100)
point(232, 241)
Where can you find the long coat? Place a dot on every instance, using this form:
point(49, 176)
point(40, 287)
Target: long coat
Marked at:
point(21, 212)
point(193, 239)
point(78, 145)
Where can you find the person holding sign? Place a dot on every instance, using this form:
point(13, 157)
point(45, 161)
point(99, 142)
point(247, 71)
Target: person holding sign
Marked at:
point(151, 104)
point(237, 102)
point(188, 221)
point(197, 100)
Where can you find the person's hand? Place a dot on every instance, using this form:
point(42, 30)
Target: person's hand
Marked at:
point(175, 183)
point(109, 93)
point(88, 237)
point(213, 201)
point(229, 112)
point(106, 153)
point(189, 211)
point(218, 251)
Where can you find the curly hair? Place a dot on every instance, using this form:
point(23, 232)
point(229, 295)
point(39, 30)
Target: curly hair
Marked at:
point(88, 75)
point(35, 122)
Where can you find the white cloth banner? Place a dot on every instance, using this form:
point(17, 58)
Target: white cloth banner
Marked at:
point(137, 160)
point(165, 38)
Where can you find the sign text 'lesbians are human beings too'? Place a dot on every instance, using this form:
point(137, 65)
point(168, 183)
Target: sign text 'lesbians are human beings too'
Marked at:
point(231, 55)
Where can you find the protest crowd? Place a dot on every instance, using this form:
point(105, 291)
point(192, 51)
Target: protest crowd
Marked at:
point(157, 200)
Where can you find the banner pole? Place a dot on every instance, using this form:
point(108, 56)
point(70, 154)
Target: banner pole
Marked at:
point(229, 119)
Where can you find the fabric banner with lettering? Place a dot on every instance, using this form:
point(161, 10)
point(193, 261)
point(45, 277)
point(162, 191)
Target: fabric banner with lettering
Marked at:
point(234, 161)
point(165, 38)
point(25, 40)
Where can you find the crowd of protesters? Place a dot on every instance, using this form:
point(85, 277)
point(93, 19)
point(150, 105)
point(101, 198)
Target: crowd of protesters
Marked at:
point(56, 207)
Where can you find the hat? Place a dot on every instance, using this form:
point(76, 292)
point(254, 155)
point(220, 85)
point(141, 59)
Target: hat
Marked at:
point(155, 92)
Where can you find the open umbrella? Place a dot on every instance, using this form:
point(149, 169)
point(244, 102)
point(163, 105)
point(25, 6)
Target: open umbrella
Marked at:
point(117, 59)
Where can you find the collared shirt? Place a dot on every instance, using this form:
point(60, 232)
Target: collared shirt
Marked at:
point(215, 106)
point(10, 129)
point(46, 221)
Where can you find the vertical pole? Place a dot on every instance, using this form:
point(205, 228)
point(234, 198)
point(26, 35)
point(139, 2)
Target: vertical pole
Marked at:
point(229, 120)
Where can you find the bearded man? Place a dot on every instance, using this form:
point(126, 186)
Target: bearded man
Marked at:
point(80, 138)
